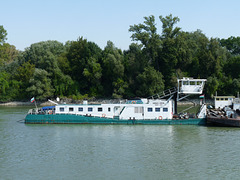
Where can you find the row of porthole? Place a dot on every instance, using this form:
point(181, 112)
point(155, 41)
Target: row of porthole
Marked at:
point(80, 109)
point(90, 109)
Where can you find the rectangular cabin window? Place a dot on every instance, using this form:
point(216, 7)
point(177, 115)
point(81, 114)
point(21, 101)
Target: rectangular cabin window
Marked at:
point(109, 109)
point(61, 109)
point(71, 109)
point(150, 109)
point(138, 109)
point(157, 109)
point(80, 109)
point(99, 109)
point(217, 99)
point(165, 109)
point(90, 109)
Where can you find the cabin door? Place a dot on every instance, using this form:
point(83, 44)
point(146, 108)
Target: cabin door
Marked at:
point(116, 110)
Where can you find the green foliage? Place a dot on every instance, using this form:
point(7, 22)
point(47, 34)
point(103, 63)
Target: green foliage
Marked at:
point(113, 68)
point(168, 30)
point(212, 86)
point(82, 65)
point(150, 82)
point(93, 73)
point(4, 83)
point(40, 85)
point(147, 34)
point(8, 54)
point(232, 44)
point(80, 69)
point(3, 35)
point(119, 88)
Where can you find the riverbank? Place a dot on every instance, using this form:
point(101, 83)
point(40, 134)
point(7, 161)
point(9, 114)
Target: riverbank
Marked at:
point(18, 103)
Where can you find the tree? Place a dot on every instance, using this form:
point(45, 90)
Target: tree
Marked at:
point(168, 56)
point(80, 55)
point(113, 68)
point(211, 86)
point(232, 44)
point(40, 85)
point(232, 66)
point(147, 34)
point(93, 73)
point(23, 75)
point(51, 57)
point(4, 83)
point(135, 60)
point(168, 30)
point(44, 54)
point(150, 82)
point(3, 35)
point(8, 54)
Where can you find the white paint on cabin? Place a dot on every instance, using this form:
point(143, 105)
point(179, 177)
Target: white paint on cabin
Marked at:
point(148, 109)
point(236, 104)
point(190, 86)
point(222, 101)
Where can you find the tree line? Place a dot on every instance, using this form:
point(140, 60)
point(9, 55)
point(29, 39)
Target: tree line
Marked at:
point(81, 69)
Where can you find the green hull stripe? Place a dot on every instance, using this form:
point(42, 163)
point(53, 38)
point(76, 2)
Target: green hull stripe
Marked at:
point(79, 119)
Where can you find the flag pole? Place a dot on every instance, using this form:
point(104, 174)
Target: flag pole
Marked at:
point(33, 100)
point(35, 104)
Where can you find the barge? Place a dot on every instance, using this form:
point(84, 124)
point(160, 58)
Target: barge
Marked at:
point(226, 112)
point(157, 109)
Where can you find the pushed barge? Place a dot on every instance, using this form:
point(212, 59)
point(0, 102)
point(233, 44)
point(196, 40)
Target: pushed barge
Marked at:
point(226, 112)
point(153, 110)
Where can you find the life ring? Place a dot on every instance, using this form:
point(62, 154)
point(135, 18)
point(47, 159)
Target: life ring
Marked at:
point(160, 117)
point(50, 112)
point(133, 102)
point(103, 115)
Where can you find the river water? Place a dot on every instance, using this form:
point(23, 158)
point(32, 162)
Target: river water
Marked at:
point(115, 151)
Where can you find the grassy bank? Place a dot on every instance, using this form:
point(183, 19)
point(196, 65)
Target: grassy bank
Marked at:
point(193, 110)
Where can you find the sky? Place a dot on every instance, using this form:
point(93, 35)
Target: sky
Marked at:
point(31, 21)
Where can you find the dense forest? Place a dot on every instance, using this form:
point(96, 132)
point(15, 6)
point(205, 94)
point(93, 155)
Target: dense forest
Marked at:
point(81, 69)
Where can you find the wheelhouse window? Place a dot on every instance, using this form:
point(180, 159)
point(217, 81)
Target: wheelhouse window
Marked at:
point(61, 109)
point(165, 109)
point(90, 109)
point(80, 109)
point(109, 109)
point(100, 109)
point(150, 109)
point(71, 109)
point(157, 109)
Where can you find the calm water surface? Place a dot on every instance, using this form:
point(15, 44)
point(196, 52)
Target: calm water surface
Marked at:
point(115, 151)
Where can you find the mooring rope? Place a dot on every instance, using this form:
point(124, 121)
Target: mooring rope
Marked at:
point(21, 120)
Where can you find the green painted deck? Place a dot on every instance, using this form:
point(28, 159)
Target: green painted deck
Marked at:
point(79, 119)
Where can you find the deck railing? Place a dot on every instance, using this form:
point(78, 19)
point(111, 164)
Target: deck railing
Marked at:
point(40, 111)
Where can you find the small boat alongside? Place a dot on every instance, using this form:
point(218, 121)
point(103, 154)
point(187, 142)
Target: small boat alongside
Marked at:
point(137, 111)
point(226, 112)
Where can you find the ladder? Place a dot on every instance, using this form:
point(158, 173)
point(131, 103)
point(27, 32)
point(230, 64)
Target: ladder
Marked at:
point(164, 93)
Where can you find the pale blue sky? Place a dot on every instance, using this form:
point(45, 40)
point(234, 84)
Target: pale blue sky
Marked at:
point(31, 21)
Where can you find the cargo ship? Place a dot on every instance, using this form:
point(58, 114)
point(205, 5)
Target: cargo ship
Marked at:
point(160, 109)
